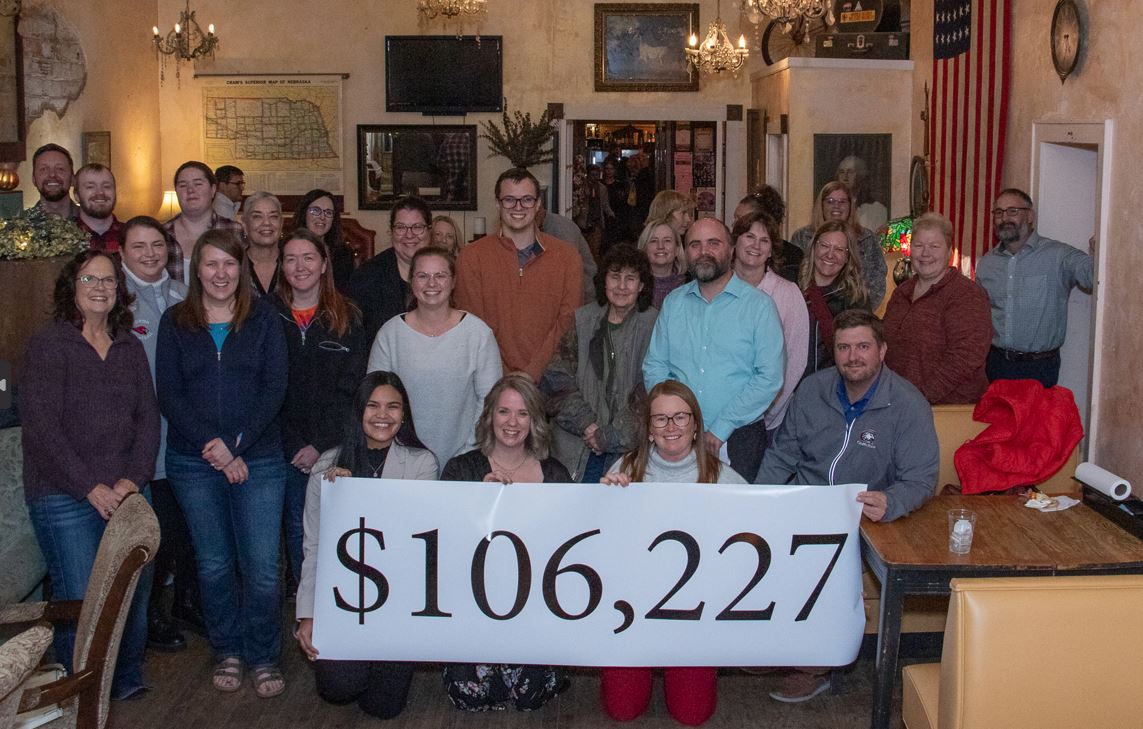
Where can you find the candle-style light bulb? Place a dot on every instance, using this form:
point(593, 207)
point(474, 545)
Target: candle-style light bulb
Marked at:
point(178, 29)
point(742, 41)
point(693, 40)
point(210, 29)
point(155, 30)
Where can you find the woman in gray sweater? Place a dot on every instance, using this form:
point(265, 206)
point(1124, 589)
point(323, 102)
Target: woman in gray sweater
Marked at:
point(594, 384)
point(447, 357)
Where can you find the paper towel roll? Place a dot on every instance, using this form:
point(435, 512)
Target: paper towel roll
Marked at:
point(1103, 481)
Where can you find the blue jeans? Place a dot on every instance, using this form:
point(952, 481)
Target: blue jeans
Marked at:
point(235, 531)
point(296, 483)
point(69, 532)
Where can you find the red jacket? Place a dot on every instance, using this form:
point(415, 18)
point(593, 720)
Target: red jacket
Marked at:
point(1032, 433)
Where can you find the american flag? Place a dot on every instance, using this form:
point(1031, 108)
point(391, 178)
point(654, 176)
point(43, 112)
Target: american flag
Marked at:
point(967, 118)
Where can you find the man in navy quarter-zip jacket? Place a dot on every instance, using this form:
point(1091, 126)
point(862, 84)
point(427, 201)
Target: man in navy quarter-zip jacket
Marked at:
point(862, 423)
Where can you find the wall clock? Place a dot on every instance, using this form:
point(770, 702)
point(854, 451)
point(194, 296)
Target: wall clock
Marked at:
point(1067, 37)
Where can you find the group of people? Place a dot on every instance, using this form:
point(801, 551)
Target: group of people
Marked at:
point(228, 369)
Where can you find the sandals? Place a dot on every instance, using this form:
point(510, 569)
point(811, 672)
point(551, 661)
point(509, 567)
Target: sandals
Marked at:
point(227, 676)
point(268, 682)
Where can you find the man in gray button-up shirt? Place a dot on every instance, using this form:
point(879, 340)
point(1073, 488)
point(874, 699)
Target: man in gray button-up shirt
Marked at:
point(1028, 279)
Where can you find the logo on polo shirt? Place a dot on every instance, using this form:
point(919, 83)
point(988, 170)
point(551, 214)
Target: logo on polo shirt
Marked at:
point(868, 438)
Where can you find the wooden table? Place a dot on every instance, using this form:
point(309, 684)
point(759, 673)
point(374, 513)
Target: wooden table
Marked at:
point(910, 556)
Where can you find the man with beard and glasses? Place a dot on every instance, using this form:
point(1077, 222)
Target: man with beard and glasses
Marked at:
point(51, 175)
point(95, 190)
point(1028, 279)
point(861, 423)
point(722, 338)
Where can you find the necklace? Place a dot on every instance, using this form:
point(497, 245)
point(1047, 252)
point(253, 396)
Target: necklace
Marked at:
point(505, 469)
point(377, 454)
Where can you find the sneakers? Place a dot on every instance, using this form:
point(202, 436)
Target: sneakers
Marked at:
point(799, 686)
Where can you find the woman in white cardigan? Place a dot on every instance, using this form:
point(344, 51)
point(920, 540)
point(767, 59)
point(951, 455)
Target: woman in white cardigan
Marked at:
point(380, 442)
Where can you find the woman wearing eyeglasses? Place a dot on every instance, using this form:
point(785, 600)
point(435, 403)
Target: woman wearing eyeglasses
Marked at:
point(380, 286)
point(317, 212)
point(835, 203)
point(327, 348)
point(91, 434)
point(831, 282)
point(670, 450)
point(447, 357)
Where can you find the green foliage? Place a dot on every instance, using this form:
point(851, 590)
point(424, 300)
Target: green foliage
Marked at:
point(35, 233)
point(520, 141)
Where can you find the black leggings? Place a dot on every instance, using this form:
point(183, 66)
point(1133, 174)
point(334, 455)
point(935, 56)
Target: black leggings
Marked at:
point(380, 688)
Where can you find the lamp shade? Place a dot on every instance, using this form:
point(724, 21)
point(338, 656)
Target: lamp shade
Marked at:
point(170, 207)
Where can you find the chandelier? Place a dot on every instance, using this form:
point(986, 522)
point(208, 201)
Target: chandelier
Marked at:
point(785, 10)
point(716, 53)
point(186, 41)
point(451, 9)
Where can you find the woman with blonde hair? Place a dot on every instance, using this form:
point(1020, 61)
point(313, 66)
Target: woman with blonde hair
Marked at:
point(835, 203)
point(831, 282)
point(446, 234)
point(664, 249)
point(677, 208)
point(512, 437)
point(671, 450)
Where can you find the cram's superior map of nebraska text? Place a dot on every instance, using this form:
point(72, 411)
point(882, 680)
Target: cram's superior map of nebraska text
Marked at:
point(284, 133)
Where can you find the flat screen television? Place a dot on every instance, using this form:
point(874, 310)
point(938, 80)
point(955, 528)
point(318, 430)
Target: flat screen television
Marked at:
point(443, 74)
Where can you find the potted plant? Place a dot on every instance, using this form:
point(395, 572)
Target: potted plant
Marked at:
point(521, 141)
point(34, 245)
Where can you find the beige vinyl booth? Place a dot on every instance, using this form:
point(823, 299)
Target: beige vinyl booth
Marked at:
point(954, 424)
point(1034, 653)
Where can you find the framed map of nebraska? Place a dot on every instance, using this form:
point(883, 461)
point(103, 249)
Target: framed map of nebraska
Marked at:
point(284, 132)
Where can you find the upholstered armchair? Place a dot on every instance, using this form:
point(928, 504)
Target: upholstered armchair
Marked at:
point(18, 658)
point(24, 566)
point(1034, 653)
point(129, 542)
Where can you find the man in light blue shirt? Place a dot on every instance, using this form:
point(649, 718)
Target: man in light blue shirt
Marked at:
point(1028, 279)
point(721, 337)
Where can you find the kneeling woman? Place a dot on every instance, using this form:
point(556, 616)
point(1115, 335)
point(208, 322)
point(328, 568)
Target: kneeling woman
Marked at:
point(512, 437)
point(380, 442)
point(670, 451)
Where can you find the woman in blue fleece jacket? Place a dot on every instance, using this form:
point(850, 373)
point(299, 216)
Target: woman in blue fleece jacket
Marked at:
point(221, 371)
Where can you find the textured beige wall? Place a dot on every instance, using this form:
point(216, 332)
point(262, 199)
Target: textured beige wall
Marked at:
point(548, 57)
point(827, 96)
point(121, 96)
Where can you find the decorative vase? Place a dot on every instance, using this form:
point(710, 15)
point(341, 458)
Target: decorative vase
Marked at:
point(26, 288)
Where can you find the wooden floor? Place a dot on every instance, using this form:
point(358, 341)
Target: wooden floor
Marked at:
point(182, 697)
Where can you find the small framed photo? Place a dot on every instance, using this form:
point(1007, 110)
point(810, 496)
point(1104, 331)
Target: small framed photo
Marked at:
point(639, 46)
point(96, 148)
point(434, 162)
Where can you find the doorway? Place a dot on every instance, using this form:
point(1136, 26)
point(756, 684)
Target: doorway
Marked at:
point(1069, 186)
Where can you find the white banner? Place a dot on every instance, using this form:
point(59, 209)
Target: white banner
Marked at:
point(589, 575)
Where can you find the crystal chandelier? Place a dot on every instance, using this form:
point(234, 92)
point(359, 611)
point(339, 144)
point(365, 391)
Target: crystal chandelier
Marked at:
point(451, 9)
point(186, 42)
point(716, 53)
point(785, 10)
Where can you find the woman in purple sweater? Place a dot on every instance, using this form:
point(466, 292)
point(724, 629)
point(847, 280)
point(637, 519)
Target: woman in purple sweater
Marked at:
point(91, 435)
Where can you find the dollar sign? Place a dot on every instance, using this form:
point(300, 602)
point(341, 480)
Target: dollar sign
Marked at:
point(362, 570)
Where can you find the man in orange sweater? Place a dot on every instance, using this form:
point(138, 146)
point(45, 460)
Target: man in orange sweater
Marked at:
point(526, 285)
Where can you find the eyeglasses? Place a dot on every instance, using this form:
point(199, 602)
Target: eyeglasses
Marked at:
point(836, 201)
point(527, 202)
point(423, 277)
point(1008, 212)
point(836, 250)
point(236, 183)
point(415, 228)
point(681, 419)
point(90, 281)
point(326, 213)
